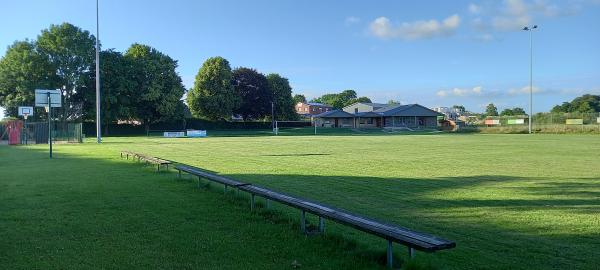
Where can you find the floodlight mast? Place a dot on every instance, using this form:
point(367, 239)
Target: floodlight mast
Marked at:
point(530, 29)
point(98, 123)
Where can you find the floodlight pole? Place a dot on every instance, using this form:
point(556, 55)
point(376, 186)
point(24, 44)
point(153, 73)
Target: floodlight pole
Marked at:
point(49, 123)
point(273, 117)
point(530, 29)
point(98, 122)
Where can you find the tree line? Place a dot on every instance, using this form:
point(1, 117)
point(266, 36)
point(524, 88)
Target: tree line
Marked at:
point(220, 92)
point(139, 84)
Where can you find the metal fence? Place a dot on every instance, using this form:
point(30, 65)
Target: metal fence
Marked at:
point(37, 132)
point(542, 123)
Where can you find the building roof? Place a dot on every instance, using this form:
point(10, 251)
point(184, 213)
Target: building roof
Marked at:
point(367, 114)
point(318, 104)
point(374, 105)
point(335, 114)
point(388, 110)
point(407, 110)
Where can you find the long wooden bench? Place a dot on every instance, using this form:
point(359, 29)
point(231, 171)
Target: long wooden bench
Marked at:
point(148, 159)
point(227, 182)
point(392, 233)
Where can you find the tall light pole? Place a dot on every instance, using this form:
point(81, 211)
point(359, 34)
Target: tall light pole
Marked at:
point(530, 29)
point(98, 122)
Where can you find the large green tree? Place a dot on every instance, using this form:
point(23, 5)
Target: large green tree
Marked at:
point(158, 86)
point(298, 98)
point(491, 110)
point(22, 70)
point(583, 104)
point(119, 89)
point(342, 99)
point(71, 54)
point(213, 96)
point(282, 97)
point(253, 89)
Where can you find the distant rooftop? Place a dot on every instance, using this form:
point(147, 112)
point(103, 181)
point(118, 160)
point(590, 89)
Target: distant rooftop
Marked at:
point(318, 104)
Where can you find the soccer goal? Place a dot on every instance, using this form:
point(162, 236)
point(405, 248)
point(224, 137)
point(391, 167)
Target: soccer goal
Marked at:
point(291, 127)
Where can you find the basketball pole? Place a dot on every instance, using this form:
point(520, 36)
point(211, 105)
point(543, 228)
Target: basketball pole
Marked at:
point(98, 123)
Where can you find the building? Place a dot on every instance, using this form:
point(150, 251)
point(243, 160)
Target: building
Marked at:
point(374, 115)
point(450, 113)
point(312, 108)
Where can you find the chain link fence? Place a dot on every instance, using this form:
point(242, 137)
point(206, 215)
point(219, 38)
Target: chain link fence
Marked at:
point(19, 132)
point(541, 123)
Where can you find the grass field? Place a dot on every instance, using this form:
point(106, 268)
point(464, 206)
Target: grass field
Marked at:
point(509, 202)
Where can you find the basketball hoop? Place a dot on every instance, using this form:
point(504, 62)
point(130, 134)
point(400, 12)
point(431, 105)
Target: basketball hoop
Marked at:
point(46, 108)
point(25, 115)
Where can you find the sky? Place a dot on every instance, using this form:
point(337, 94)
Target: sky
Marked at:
point(435, 53)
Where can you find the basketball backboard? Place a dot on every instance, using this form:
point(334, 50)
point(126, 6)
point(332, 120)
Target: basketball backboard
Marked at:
point(25, 111)
point(41, 98)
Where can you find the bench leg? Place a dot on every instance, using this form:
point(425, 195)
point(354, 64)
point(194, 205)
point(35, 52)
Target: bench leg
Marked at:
point(390, 261)
point(321, 225)
point(268, 203)
point(179, 174)
point(411, 252)
point(198, 181)
point(224, 189)
point(252, 202)
point(158, 167)
point(303, 222)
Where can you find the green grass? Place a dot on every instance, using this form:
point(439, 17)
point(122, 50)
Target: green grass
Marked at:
point(509, 202)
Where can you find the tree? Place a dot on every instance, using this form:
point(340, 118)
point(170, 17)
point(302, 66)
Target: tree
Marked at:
point(340, 100)
point(460, 108)
point(507, 112)
point(393, 102)
point(518, 111)
point(282, 96)
point(491, 110)
point(159, 88)
point(360, 99)
point(22, 70)
point(584, 104)
point(213, 95)
point(252, 88)
point(119, 89)
point(71, 54)
point(299, 98)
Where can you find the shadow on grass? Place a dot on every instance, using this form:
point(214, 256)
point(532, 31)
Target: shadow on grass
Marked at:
point(483, 241)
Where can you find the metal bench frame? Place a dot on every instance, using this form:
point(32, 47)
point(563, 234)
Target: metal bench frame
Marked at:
point(392, 233)
point(148, 159)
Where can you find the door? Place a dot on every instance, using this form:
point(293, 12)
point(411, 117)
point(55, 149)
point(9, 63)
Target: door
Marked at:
point(336, 123)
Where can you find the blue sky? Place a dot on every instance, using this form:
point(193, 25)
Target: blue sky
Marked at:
point(436, 53)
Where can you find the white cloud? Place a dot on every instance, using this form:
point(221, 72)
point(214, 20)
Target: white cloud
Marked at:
point(515, 15)
point(383, 28)
point(461, 92)
point(487, 37)
point(352, 20)
point(474, 9)
point(524, 90)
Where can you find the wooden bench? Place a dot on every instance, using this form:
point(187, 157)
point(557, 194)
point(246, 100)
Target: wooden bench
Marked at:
point(148, 159)
point(227, 182)
point(392, 233)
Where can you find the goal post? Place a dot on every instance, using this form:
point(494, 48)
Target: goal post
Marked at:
point(291, 126)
